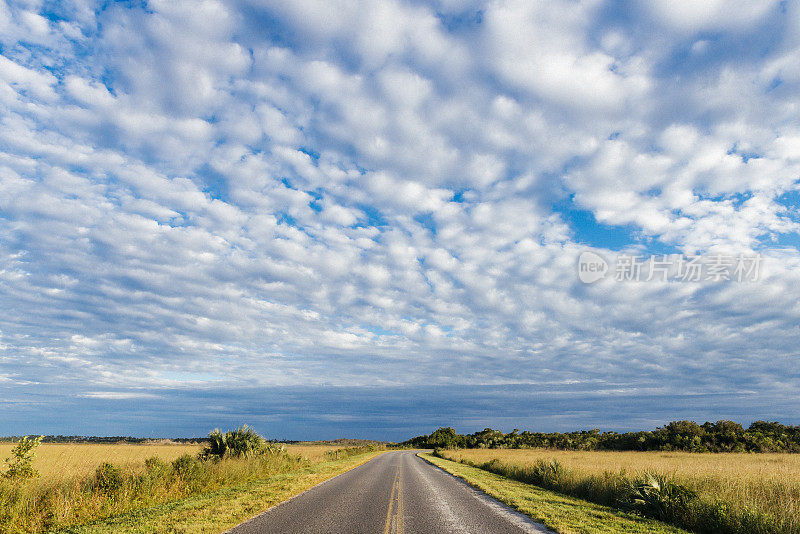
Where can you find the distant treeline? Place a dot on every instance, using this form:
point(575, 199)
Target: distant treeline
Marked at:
point(104, 439)
point(722, 436)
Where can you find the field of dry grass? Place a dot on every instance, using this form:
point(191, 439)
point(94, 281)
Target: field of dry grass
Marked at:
point(765, 482)
point(70, 489)
point(65, 460)
point(314, 452)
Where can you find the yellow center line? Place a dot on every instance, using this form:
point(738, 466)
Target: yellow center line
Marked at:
point(396, 505)
point(399, 522)
point(388, 526)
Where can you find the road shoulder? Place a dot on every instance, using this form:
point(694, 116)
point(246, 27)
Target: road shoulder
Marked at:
point(563, 514)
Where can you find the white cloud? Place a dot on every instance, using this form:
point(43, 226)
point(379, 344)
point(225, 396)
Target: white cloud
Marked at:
point(710, 15)
point(353, 193)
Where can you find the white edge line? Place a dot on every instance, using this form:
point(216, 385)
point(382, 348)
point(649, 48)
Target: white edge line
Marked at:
point(493, 500)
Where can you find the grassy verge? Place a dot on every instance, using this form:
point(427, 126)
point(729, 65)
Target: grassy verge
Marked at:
point(653, 494)
point(564, 514)
point(737, 488)
point(220, 510)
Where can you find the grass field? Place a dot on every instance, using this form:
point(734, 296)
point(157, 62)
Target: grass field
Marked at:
point(565, 515)
point(765, 483)
point(66, 460)
point(311, 451)
point(69, 492)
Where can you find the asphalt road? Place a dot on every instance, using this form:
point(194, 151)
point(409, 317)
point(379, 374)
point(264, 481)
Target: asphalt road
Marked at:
point(396, 492)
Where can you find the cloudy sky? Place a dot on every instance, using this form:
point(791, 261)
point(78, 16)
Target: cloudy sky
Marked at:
point(357, 218)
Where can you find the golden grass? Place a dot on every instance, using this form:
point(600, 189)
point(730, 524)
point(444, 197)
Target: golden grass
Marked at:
point(66, 492)
point(222, 509)
point(764, 482)
point(311, 451)
point(56, 461)
point(563, 514)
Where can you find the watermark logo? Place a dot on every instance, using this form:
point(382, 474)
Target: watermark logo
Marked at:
point(591, 267)
point(670, 268)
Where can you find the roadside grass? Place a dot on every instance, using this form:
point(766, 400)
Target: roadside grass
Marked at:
point(223, 509)
point(561, 513)
point(76, 494)
point(735, 492)
point(767, 483)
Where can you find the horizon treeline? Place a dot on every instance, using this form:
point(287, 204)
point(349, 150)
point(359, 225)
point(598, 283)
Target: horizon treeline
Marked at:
point(689, 436)
point(102, 439)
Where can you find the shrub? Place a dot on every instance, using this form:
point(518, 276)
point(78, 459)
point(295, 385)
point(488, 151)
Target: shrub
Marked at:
point(657, 496)
point(217, 445)
point(244, 441)
point(20, 463)
point(548, 474)
point(186, 466)
point(155, 465)
point(108, 477)
point(155, 470)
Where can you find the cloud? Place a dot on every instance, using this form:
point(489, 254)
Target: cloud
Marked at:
point(251, 195)
point(117, 395)
point(714, 15)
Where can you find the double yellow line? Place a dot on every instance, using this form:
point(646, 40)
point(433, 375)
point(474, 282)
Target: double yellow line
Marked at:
point(396, 505)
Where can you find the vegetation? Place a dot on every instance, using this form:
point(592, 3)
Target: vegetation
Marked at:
point(66, 460)
point(562, 513)
point(726, 493)
point(103, 439)
point(349, 452)
point(20, 463)
point(53, 502)
point(242, 442)
point(220, 510)
point(722, 436)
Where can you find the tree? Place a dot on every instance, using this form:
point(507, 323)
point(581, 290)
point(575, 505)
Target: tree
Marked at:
point(445, 438)
point(20, 463)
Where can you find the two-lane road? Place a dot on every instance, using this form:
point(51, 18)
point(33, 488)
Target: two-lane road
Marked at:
point(396, 492)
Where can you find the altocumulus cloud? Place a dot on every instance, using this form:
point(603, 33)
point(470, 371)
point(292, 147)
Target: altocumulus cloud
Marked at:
point(319, 216)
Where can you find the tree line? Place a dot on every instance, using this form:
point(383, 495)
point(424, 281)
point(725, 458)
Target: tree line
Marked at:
point(100, 439)
point(720, 436)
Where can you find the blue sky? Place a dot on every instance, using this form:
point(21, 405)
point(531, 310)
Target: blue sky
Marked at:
point(349, 218)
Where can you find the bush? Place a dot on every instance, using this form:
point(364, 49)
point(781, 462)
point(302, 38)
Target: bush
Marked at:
point(548, 474)
point(244, 441)
point(217, 445)
point(186, 466)
point(108, 477)
point(20, 463)
point(657, 496)
point(155, 465)
point(155, 470)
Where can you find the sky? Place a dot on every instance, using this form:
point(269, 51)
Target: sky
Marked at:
point(363, 219)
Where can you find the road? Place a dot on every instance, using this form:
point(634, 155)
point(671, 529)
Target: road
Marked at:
point(396, 492)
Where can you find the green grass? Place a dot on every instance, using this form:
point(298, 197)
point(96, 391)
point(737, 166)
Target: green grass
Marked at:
point(220, 510)
point(563, 514)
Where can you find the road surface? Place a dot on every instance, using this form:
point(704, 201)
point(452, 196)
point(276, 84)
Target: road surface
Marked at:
point(396, 492)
